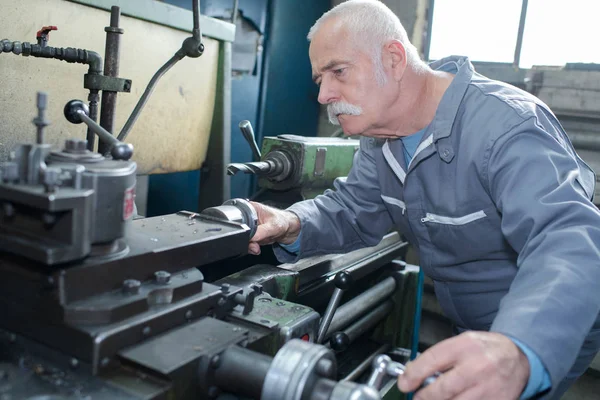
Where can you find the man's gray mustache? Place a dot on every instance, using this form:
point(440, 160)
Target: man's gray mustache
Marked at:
point(340, 107)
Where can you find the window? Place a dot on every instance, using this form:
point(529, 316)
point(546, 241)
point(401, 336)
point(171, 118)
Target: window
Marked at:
point(483, 30)
point(556, 32)
point(559, 32)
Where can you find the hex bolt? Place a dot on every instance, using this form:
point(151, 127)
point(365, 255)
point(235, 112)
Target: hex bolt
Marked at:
point(222, 302)
point(162, 277)
point(131, 286)
point(225, 287)
point(51, 179)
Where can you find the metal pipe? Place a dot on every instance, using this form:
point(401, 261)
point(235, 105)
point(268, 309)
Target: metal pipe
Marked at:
point(69, 54)
point(149, 89)
point(517, 58)
point(111, 68)
point(363, 366)
point(242, 371)
point(361, 304)
point(367, 322)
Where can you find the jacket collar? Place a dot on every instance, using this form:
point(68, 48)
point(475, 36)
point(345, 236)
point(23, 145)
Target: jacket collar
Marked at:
point(441, 126)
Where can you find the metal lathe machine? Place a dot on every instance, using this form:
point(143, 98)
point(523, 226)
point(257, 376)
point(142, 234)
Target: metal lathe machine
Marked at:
point(97, 303)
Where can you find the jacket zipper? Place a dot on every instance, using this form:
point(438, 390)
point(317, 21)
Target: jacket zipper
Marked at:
point(439, 219)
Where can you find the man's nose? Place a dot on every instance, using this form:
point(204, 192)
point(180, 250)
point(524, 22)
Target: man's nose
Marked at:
point(326, 93)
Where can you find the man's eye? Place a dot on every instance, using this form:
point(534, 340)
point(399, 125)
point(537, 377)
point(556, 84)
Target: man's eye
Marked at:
point(339, 71)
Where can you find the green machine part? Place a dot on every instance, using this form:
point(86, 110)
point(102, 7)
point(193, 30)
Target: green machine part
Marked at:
point(316, 162)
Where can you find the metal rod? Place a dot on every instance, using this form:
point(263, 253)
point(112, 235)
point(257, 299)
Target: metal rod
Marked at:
point(111, 68)
point(363, 366)
point(149, 89)
point(361, 304)
point(40, 121)
point(517, 59)
point(196, 33)
point(361, 326)
point(93, 107)
point(234, 13)
point(336, 297)
point(100, 131)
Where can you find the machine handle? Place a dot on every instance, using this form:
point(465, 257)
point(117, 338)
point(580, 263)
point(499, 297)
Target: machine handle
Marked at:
point(76, 112)
point(384, 366)
point(248, 132)
point(343, 280)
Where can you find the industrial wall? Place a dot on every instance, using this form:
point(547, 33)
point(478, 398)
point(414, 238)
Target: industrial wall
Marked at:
point(173, 130)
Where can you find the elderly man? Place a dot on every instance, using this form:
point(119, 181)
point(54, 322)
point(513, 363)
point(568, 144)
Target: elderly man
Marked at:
point(483, 181)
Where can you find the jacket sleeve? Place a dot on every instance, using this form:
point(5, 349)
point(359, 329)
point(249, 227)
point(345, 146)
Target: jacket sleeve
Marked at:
point(349, 217)
point(543, 191)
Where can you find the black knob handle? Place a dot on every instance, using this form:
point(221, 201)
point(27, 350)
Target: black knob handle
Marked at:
point(343, 280)
point(121, 151)
point(339, 341)
point(72, 111)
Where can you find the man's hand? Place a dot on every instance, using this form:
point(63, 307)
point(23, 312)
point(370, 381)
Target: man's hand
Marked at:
point(273, 226)
point(475, 365)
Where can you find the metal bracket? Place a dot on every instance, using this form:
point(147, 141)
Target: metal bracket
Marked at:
point(106, 83)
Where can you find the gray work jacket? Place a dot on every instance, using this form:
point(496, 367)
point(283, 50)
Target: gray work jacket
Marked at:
point(498, 205)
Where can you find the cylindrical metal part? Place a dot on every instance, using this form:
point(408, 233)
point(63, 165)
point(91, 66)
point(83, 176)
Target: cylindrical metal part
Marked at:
point(111, 68)
point(41, 122)
point(323, 389)
point(361, 304)
point(363, 366)
point(336, 297)
point(371, 319)
point(354, 391)
point(293, 372)
point(93, 115)
point(242, 371)
point(235, 210)
point(116, 181)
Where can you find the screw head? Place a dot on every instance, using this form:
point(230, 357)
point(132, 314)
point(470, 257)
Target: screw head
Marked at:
point(146, 331)
point(162, 277)
point(131, 286)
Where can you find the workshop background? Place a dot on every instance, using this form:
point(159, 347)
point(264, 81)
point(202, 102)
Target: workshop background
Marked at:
point(188, 133)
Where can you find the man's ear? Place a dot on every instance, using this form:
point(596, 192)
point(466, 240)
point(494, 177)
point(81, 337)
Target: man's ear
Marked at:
point(394, 54)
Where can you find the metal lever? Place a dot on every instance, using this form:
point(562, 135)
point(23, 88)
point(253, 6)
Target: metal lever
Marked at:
point(384, 366)
point(248, 132)
point(343, 280)
point(76, 112)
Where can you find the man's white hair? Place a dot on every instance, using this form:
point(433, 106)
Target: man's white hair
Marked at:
point(372, 23)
